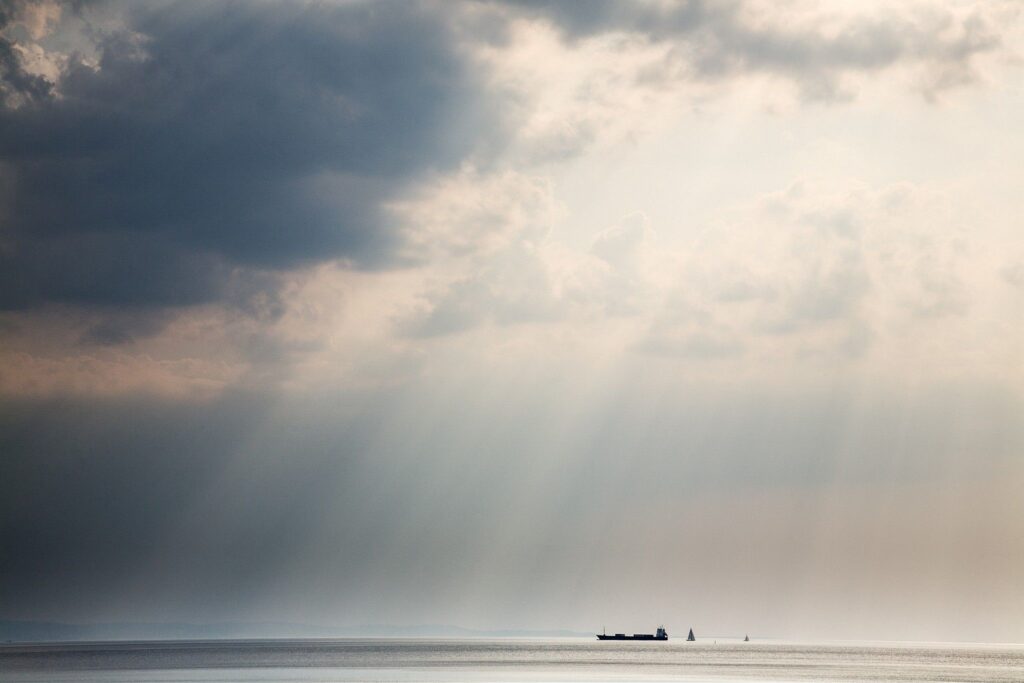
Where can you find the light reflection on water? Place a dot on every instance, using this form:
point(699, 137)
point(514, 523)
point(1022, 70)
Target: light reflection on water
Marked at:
point(406, 660)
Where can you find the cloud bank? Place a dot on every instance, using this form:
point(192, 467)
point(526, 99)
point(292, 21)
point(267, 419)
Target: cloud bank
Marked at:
point(204, 146)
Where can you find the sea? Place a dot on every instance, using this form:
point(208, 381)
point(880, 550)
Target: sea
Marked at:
point(512, 659)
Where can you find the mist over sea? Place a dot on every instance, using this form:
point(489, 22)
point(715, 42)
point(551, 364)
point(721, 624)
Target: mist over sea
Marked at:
point(569, 659)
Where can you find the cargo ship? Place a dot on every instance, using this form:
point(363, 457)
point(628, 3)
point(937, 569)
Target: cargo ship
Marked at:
point(662, 634)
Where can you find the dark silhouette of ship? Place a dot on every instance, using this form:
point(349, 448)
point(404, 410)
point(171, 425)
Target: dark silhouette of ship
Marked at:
point(690, 637)
point(662, 634)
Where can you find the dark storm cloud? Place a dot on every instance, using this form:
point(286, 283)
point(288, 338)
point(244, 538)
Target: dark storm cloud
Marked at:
point(215, 137)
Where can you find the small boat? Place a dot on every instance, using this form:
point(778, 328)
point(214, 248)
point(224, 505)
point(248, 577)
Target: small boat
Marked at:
point(690, 637)
point(662, 634)
point(746, 639)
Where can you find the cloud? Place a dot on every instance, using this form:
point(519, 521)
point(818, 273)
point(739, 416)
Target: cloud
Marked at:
point(197, 154)
point(211, 141)
point(480, 239)
point(618, 245)
point(818, 271)
point(812, 44)
point(19, 86)
point(678, 342)
point(1013, 274)
point(38, 18)
point(514, 287)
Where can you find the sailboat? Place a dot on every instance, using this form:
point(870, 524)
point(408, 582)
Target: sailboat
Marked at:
point(746, 639)
point(690, 637)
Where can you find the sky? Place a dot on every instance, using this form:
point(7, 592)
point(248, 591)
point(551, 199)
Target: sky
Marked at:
point(514, 315)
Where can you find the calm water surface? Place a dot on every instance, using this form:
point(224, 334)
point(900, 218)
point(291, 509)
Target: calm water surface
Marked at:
point(506, 660)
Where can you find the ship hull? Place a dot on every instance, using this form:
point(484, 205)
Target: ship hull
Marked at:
point(635, 636)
